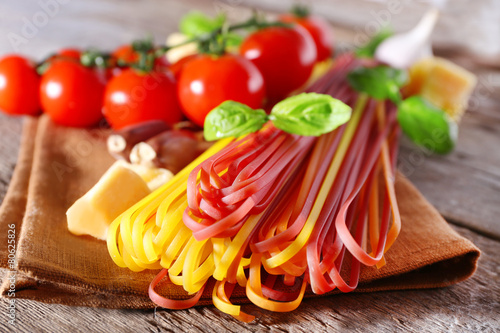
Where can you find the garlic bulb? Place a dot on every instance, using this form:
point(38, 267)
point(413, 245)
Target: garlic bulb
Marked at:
point(402, 50)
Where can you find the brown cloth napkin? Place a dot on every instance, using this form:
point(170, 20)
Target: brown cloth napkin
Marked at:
point(57, 165)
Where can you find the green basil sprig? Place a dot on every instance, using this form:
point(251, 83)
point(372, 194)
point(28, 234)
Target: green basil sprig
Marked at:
point(427, 125)
point(380, 82)
point(307, 114)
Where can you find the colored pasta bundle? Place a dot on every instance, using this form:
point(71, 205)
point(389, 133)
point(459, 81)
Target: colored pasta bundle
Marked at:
point(273, 212)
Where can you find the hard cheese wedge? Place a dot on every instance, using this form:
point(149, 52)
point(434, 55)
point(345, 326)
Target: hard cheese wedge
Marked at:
point(117, 190)
point(443, 83)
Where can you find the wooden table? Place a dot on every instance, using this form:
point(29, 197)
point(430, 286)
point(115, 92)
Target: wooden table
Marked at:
point(464, 186)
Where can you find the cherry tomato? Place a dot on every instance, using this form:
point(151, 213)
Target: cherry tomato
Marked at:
point(319, 29)
point(177, 67)
point(65, 54)
point(132, 97)
point(71, 94)
point(19, 86)
point(161, 62)
point(69, 53)
point(125, 54)
point(206, 81)
point(285, 57)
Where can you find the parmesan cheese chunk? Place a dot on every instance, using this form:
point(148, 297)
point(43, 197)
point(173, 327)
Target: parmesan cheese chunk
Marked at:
point(117, 190)
point(443, 83)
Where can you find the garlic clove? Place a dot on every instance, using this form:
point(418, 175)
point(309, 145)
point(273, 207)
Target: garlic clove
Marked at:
point(179, 52)
point(402, 50)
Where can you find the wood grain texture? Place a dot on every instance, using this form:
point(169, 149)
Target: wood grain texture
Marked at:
point(464, 186)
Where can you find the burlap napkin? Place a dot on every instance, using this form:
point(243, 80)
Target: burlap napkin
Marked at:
point(57, 165)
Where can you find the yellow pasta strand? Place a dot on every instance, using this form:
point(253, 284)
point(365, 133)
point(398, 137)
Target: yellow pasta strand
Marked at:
point(232, 250)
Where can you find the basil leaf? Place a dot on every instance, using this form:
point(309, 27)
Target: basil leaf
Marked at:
point(427, 125)
point(196, 23)
point(232, 119)
point(380, 82)
point(368, 50)
point(310, 114)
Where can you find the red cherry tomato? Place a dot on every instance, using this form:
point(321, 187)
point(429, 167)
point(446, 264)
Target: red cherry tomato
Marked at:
point(285, 57)
point(206, 81)
point(71, 94)
point(177, 67)
point(125, 54)
point(69, 53)
point(65, 54)
point(319, 29)
point(132, 97)
point(19, 86)
point(161, 63)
